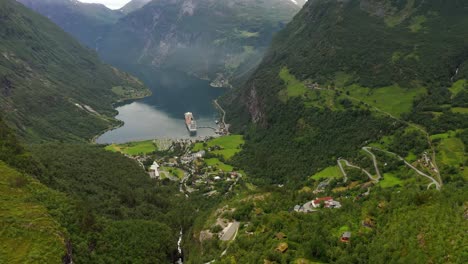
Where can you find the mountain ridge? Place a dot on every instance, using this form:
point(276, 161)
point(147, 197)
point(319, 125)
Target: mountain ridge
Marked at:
point(51, 86)
point(216, 40)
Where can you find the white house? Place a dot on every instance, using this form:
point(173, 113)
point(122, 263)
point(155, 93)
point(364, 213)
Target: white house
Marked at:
point(153, 171)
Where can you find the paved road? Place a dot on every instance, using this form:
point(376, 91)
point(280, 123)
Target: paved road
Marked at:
point(347, 163)
point(374, 160)
point(226, 126)
point(231, 231)
point(434, 161)
point(437, 184)
point(376, 167)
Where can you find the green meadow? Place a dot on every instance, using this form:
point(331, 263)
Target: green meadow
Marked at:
point(330, 172)
point(133, 148)
point(392, 99)
point(390, 180)
point(219, 165)
point(229, 145)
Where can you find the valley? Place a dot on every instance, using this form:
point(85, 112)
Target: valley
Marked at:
point(328, 131)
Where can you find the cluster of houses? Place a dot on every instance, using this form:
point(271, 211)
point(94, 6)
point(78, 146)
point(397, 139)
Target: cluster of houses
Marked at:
point(199, 176)
point(312, 206)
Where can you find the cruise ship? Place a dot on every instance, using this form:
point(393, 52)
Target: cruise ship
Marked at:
point(190, 123)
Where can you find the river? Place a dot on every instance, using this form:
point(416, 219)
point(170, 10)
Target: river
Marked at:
point(161, 115)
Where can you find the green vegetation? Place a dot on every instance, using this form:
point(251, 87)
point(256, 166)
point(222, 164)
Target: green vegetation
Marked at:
point(176, 172)
point(393, 99)
point(460, 110)
point(410, 217)
point(134, 148)
point(452, 151)
point(129, 92)
point(225, 146)
point(389, 180)
point(217, 164)
point(330, 172)
point(119, 206)
point(29, 234)
point(458, 87)
point(294, 87)
point(59, 89)
point(417, 23)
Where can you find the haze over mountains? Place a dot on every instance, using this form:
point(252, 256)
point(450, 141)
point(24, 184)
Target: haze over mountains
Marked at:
point(216, 40)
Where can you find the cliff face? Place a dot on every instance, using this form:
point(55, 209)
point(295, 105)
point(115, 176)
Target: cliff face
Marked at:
point(217, 40)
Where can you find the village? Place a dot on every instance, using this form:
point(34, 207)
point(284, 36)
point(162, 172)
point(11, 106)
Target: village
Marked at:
point(198, 164)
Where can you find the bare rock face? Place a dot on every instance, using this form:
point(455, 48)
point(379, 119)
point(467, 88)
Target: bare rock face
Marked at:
point(253, 104)
point(188, 8)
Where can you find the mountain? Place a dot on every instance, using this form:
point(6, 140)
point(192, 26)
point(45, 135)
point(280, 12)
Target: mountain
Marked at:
point(86, 22)
point(51, 86)
point(343, 73)
point(216, 40)
point(133, 5)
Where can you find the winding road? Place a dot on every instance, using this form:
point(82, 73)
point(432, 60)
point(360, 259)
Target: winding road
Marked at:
point(437, 182)
point(376, 167)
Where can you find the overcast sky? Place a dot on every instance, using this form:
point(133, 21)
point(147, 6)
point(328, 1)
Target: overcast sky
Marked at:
point(112, 4)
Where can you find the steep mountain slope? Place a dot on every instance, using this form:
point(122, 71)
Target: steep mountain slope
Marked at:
point(52, 87)
point(340, 61)
point(133, 5)
point(97, 206)
point(86, 22)
point(210, 39)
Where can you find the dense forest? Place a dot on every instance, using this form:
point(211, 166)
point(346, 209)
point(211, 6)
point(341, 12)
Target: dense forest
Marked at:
point(110, 209)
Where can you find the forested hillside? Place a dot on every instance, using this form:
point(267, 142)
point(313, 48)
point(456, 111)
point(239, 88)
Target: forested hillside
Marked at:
point(97, 207)
point(85, 21)
point(51, 86)
point(347, 63)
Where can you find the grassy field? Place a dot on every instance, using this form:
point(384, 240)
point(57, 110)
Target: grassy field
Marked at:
point(461, 110)
point(230, 145)
point(392, 99)
point(451, 151)
point(133, 148)
point(390, 180)
point(173, 171)
point(216, 163)
point(28, 234)
point(294, 87)
point(313, 98)
point(330, 172)
point(457, 87)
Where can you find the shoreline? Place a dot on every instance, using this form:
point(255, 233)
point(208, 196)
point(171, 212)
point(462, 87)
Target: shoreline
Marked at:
point(114, 105)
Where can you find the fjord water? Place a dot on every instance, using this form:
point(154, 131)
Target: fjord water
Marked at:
point(161, 115)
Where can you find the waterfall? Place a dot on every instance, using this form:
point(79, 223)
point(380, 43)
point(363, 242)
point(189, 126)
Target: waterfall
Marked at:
point(179, 247)
point(456, 73)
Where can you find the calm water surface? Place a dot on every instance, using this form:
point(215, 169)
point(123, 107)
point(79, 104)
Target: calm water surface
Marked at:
point(162, 114)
